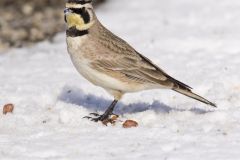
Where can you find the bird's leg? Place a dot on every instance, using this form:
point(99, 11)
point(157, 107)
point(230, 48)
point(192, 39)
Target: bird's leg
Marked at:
point(105, 115)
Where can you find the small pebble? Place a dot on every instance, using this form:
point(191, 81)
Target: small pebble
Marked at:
point(8, 108)
point(130, 124)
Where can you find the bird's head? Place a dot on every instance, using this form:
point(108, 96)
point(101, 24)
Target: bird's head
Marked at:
point(79, 14)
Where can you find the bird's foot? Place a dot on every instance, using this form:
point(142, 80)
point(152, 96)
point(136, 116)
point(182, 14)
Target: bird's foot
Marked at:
point(95, 117)
point(105, 119)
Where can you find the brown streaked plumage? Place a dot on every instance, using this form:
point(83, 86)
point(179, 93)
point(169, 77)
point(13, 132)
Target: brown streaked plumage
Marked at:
point(108, 61)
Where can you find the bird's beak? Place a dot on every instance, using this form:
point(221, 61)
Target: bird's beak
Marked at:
point(67, 10)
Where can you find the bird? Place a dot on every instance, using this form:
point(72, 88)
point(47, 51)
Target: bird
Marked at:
point(108, 61)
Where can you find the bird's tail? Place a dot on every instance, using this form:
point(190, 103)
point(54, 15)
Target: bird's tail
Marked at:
point(189, 93)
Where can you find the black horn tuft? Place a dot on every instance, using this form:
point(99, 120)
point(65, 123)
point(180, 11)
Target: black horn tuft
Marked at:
point(80, 1)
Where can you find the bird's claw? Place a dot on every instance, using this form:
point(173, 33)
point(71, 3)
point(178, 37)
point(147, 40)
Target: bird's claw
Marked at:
point(95, 117)
point(95, 114)
point(103, 118)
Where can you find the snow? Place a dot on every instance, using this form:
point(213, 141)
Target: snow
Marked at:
point(195, 41)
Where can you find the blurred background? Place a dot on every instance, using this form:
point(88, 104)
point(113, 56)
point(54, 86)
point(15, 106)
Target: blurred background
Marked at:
point(25, 22)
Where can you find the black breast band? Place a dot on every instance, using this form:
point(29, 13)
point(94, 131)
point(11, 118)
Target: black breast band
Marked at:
point(73, 32)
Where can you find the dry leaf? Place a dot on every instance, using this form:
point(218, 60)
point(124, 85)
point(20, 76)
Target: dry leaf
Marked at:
point(112, 120)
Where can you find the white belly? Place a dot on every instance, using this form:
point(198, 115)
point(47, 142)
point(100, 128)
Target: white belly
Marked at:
point(76, 51)
point(98, 78)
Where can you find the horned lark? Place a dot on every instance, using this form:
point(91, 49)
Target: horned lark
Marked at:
point(111, 63)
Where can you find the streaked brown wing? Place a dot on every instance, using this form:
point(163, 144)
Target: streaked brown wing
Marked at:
point(129, 62)
point(132, 67)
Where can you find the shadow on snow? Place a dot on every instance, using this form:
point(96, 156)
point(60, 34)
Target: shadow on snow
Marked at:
point(76, 96)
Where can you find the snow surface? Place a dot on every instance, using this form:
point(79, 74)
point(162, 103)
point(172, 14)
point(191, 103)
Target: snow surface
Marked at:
point(195, 41)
